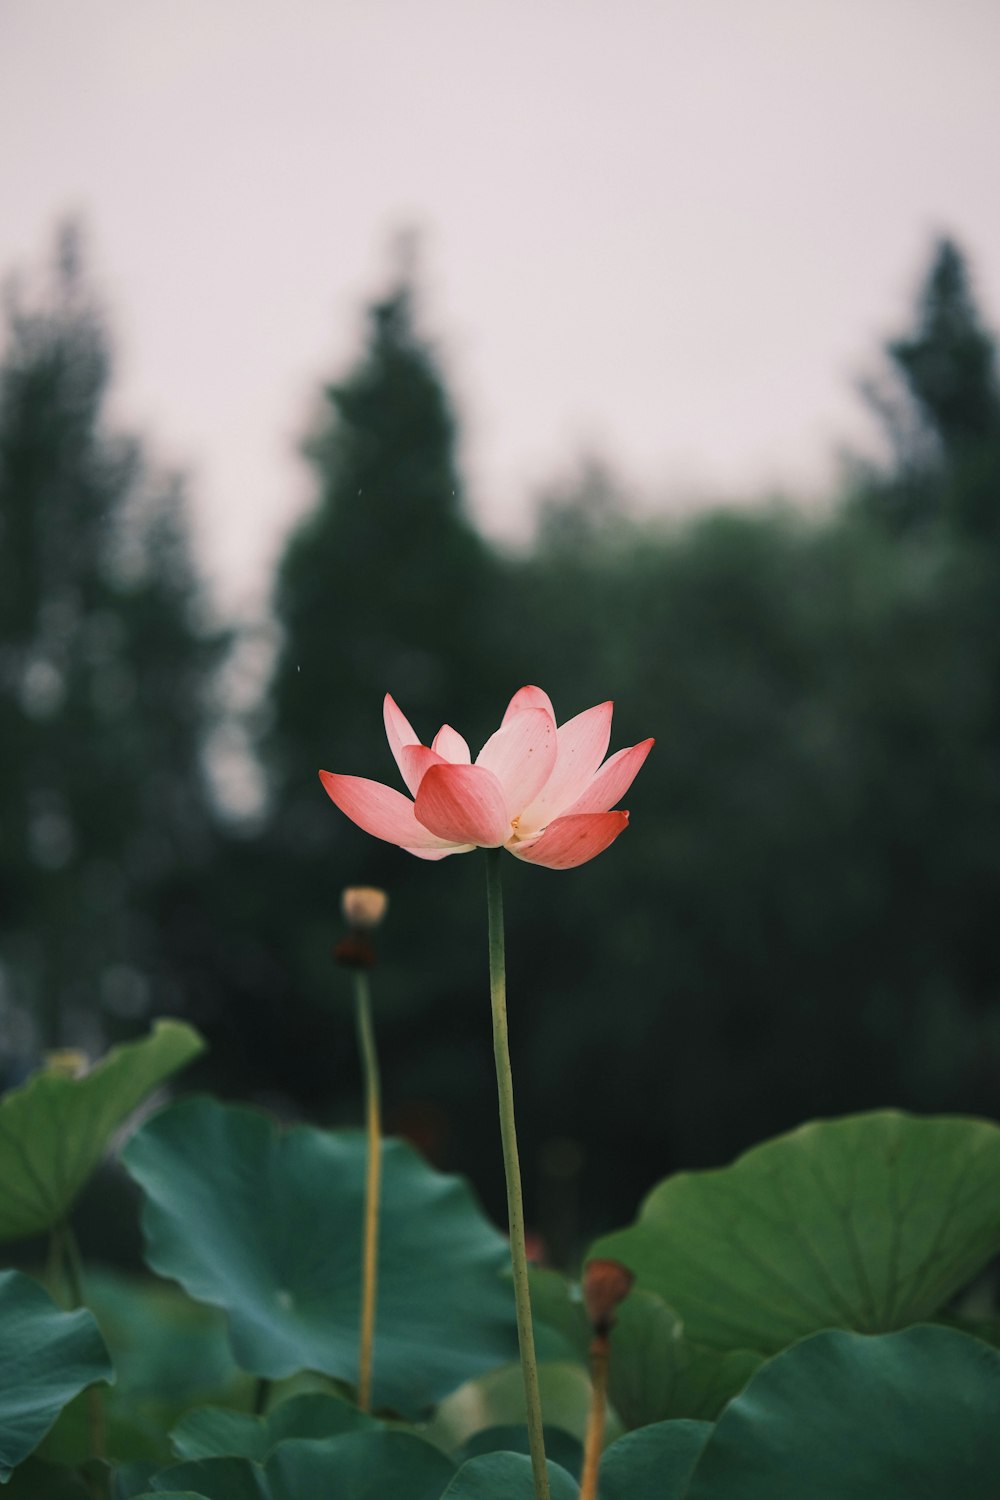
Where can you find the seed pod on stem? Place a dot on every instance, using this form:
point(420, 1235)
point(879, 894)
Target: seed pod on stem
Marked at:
point(606, 1283)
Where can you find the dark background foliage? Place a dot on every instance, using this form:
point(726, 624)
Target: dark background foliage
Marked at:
point(801, 919)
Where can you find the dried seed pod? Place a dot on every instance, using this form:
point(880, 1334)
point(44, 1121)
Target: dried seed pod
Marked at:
point(605, 1284)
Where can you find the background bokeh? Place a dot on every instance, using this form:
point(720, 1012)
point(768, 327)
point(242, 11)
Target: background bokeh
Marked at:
point(801, 919)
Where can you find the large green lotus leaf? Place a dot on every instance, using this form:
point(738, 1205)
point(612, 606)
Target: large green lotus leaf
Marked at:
point(506, 1476)
point(267, 1224)
point(897, 1416)
point(55, 1128)
point(48, 1357)
point(371, 1465)
point(217, 1431)
point(654, 1463)
point(870, 1223)
point(497, 1400)
point(655, 1372)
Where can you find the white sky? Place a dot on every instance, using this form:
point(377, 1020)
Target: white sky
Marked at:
point(671, 230)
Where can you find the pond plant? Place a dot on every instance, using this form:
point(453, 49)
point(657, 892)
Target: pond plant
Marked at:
point(329, 1315)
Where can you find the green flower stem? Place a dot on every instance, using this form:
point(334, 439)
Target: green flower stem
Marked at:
point(373, 1126)
point(512, 1169)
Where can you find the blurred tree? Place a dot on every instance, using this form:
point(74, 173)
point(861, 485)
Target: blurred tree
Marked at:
point(949, 361)
point(384, 586)
point(381, 588)
point(104, 670)
point(942, 411)
point(799, 920)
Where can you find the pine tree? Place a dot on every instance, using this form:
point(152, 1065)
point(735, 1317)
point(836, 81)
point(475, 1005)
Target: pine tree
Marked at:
point(941, 411)
point(103, 682)
point(949, 361)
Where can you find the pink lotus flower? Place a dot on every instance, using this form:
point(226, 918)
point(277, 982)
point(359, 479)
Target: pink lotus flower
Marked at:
point(535, 789)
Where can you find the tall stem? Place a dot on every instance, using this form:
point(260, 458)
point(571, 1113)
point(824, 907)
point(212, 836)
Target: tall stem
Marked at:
point(512, 1169)
point(373, 1127)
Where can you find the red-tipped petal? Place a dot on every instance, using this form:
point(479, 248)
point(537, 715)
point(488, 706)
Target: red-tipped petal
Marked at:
point(463, 805)
point(400, 733)
point(450, 745)
point(529, 697)
point(379, 810)
point(572, 840)
point(613, 780)
point(521, 756)
point(582, 744)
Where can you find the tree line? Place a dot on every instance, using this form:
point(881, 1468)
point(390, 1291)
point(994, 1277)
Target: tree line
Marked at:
point(800, 920)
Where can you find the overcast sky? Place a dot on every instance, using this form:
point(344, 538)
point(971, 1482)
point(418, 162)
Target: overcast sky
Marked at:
point(675, 231)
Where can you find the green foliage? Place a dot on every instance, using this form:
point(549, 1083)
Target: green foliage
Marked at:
point(48, 1357)
point(279, 1248)
point(869, 1223)
point(885, 1418)
point(55, 1129)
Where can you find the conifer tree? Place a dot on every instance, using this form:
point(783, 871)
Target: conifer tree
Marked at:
point(941, 410)
point(949, 360)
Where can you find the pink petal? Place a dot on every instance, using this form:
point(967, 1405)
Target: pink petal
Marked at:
point(414, 762)
point(521, 756)
point(441, 853)
point(582, 744)
point(572, 840)
point(463, 805)
point(529, 697)
point(399, 732)
point(379, 810)
point(612, 780)
point(450, 745)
